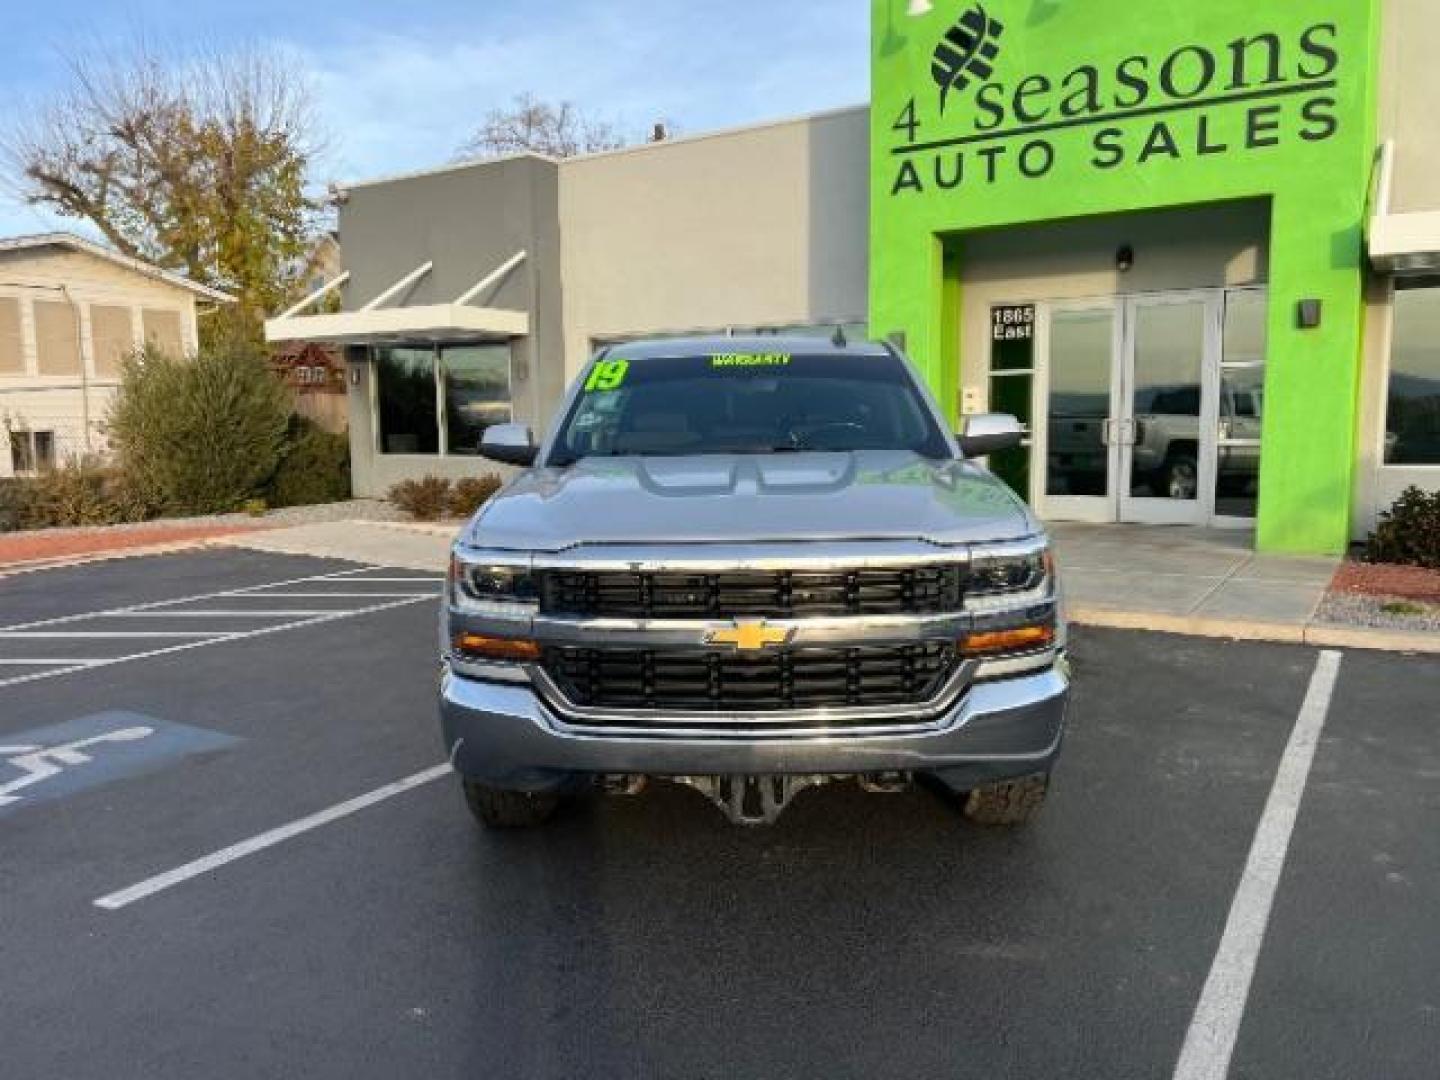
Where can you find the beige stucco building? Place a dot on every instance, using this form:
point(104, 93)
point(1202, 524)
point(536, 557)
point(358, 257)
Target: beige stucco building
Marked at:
point(70, 311)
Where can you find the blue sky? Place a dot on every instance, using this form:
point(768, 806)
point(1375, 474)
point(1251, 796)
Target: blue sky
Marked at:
point(399, 85)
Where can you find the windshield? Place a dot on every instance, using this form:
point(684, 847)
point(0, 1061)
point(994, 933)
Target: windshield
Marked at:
point(746, 403)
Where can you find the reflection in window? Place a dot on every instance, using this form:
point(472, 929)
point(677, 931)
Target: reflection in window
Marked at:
point(1412, 422)
point(406, 393)
point(1081, 350)
point(1242, 404)
point(477, 393)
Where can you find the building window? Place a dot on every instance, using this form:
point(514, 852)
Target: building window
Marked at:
point(113, 336)
point(32, 452)
point(12, 342)
point(430, 397)
point(1412, 420)
point(476, 384)
point(57, 338)
point(406, 392)
point(162, 331)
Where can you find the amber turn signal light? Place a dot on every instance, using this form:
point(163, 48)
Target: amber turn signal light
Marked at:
point(1019, 639)
point(484, 647)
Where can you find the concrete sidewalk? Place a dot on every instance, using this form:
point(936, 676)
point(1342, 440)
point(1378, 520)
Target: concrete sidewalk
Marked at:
point(414, 546)
point(1206, 582)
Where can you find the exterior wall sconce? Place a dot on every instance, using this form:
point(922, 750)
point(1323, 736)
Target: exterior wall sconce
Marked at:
point(1308, 314)
point(1125, 259)
point(918, 8)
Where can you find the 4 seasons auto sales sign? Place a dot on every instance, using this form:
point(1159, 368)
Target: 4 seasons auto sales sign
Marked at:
point(984, 116)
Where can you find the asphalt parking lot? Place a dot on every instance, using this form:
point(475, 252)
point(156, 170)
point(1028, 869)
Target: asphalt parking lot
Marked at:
point(193, 703)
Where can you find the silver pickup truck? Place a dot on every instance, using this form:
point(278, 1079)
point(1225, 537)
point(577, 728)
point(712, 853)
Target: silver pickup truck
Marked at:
point(752, 566)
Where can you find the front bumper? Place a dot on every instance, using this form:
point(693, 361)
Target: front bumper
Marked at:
point(505, 736)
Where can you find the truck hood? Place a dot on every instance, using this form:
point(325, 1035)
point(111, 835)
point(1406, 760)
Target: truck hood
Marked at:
point(746, 498)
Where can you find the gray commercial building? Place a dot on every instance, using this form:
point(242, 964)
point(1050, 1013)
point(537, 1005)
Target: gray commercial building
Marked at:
point(473, 293)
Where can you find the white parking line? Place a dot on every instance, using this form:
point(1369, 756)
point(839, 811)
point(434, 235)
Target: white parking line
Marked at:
point(40, 635)
point(338, 595)
point(220, 639)
point(291, 613)
point(157, 604)
point(72, 662)
point(150, 886)
point(1210, 1041)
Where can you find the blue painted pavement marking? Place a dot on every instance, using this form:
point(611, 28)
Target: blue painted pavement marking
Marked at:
point(77, 755)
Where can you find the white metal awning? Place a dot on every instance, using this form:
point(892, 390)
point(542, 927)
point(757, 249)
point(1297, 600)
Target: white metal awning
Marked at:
point(375, 324)
point(1401, 244)
point(431, 322)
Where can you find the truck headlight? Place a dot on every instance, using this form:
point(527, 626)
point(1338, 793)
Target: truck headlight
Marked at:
point(1006, 576)
point(485, 587)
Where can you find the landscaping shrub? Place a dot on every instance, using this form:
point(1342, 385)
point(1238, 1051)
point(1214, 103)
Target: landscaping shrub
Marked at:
point(14, 494)
point(471, 493)
point(1409, 532)
point(426, 499)
point(315, 468)
point(79, 493)
point(200, 435)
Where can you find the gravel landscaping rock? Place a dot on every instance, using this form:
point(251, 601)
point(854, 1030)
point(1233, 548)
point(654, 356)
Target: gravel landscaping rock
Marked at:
point(1356, 609)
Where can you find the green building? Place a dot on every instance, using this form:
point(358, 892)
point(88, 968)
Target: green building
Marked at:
point(1165, 234)
point(1195, 246)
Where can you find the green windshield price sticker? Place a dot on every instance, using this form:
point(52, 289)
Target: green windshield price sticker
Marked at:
point(607, 375)
point(726, 360)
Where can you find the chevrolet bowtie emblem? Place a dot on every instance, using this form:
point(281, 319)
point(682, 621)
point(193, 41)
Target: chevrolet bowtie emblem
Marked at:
point(750, 636)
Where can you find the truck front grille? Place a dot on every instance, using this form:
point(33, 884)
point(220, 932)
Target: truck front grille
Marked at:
point(924, 590)
point(697, 681)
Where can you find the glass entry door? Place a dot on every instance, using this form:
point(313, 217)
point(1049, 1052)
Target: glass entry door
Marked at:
point(1171, 342)
point(1080, 387)
point(1151, 408)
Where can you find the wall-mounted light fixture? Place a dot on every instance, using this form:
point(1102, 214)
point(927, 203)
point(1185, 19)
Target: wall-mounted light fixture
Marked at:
point(1308, 314)
point(1125, 259)
point(918, 8)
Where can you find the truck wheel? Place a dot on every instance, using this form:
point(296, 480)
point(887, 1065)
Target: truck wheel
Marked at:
point(1182, 478)
point(499, 809)
point(1009, 802)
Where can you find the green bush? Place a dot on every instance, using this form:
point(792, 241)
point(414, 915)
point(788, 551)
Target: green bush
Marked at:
point(426, 499)
point(200, 435)
point(14, 494)
point(471, 493)
point(315, 468)
point(1409, 532)
point(80, 493)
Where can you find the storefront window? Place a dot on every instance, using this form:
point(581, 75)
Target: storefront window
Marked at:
point(477, 393)
point(405, 390)
point(1412, 424)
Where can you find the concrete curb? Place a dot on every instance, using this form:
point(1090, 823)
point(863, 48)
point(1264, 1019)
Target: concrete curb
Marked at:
point(1331, 635)
point(60, 562)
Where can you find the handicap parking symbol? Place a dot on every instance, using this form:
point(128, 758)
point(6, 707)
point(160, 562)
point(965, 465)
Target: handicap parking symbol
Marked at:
point(63, 759)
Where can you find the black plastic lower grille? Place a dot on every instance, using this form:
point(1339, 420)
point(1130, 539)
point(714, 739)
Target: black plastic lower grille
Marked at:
point(695, 680)
point(923, 590)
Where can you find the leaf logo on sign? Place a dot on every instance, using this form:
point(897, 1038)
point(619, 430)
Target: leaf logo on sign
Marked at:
point(967, 51)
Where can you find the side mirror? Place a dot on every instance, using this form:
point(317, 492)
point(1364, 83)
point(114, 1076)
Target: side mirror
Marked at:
point(989, 433)
point(509, 444)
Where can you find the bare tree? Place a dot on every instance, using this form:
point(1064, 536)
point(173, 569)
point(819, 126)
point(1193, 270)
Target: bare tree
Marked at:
point(197, 162)
point(560, 131)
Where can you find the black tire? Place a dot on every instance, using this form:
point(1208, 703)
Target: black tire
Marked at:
point(1008, 802)
point(499, 809)
point(1181, 479)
